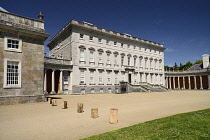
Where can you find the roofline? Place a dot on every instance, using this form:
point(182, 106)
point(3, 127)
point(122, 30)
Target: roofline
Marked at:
point(23, 16)
point(70, 23)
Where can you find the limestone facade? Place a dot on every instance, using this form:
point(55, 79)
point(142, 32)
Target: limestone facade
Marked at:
point(102, 58)
point(21, 59)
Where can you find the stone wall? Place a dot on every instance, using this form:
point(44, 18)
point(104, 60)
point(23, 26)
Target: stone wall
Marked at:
point(32, 65)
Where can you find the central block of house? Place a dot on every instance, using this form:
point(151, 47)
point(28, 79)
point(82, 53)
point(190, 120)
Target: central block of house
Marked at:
point(95, 60)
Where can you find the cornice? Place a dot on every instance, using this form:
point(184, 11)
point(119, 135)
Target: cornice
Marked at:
point(98, 30)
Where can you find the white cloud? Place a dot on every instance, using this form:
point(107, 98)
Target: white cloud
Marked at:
point(170, 50)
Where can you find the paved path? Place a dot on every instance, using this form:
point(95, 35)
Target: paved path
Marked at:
point(42, 121)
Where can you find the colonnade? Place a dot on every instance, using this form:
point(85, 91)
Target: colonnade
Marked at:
point(59, 82)
point(183, 81)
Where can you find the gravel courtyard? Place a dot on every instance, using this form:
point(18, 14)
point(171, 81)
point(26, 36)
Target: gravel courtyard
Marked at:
point(42, 121)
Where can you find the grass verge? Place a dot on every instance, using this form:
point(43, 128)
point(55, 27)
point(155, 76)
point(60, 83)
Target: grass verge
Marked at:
point(186, 126)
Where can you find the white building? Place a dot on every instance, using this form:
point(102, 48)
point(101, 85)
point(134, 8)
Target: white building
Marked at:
point(100, 59)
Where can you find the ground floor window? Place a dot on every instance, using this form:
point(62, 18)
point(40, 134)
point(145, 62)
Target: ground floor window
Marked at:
point(82, 91)
point(12, 74)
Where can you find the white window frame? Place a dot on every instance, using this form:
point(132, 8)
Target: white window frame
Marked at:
point(123, 76)
point(82, 77)
point(109, 77)
point(92, 56)
point(140, 62)
point(100, 57)
point(122, 60)
point(100, 77)
point(116, 78)
point(115, 59)
point(12, 49)
point(108, 58)
point(99, 40)
point(82, 56)
point(134, 61)
point(91, 77)
point(129, 61)
point(19, 73)
point(115, 43)
point(91, 38)
point(81, 36)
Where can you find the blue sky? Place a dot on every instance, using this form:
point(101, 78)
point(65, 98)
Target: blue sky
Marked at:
point(182, 25)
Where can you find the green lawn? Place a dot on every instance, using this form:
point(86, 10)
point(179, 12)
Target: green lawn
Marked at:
point(187, 126)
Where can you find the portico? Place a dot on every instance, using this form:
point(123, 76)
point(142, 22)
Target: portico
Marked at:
point(57, 76)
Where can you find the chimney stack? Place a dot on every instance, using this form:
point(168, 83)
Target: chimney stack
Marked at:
point(205, 60)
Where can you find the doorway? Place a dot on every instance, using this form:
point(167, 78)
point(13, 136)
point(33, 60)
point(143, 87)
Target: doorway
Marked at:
point(129, 78)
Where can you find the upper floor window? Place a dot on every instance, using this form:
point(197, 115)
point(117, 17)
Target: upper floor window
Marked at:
point(100, 57)
point(123, 76)
point(13, 44)
point(122, 44)
point(140, 62)
point(108, 58)
point(115, 59)
point(122, 60)
point(134, 47)
point(99, 40)
point(115, 43)
point(128, 46)
point(91, 38)
point(107, 42)
point(82, 55)
point(12, 74)
point(82, 36)
point(129, 60)
point(134, 61)
point(91, 56)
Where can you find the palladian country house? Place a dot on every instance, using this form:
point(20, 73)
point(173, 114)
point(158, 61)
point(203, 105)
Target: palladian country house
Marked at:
point(83, 59)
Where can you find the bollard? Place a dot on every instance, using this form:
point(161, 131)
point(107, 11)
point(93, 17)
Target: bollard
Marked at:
point(50, 100)
point(94, 112)
point(54, 103)
point(80, 108)
point(64, 105)
point(113, 116)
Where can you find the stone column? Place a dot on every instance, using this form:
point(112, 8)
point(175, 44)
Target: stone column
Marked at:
point(178, 83)
point(183, 82)
point(189, 82)
point(169, 82)
point(174, 85)
point(201, 82)
point(195, 82)
point(61, 81)
point(53, 82)
point(45, 81)
point(166, 81)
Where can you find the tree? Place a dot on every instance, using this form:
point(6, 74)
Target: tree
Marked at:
point(180, 65)
point(198, 62)
point(188, 65)
point(175, 65)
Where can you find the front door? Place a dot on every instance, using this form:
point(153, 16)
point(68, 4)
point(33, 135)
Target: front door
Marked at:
point(129, 78)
